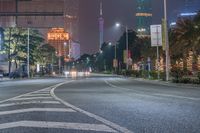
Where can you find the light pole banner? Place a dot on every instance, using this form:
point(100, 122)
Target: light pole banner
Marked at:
point(125, 56)
point(156, 35)
point(164, 26)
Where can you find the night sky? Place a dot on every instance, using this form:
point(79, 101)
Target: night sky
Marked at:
point(122, 11)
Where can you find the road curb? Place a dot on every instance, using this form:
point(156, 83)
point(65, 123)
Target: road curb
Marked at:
point(166, 83)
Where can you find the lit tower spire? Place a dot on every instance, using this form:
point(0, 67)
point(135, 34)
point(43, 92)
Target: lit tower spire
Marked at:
point(101, 26)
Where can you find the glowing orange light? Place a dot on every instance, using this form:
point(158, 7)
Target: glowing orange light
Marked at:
point(58, 34)
point(144, 14)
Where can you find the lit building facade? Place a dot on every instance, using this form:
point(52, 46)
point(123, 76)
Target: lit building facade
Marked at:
point(58, 38)
point(101, 27)
point(143, 17)
point(41, 14)
point(188, 10)
point(191, 6)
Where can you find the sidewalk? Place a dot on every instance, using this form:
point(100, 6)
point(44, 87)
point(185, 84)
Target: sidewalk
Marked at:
point(5, 79)
point(167, 83)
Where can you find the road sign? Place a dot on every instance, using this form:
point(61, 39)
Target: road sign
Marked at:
point(115, 63)
point(129, 61)
point(156, 35)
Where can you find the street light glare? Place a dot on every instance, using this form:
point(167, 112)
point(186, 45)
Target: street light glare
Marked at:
point(117, 24)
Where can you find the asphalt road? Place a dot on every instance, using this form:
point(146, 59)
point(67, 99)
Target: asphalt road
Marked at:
point(98, 105)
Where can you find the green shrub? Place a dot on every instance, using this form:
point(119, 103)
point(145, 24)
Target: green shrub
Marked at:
point(185, 80)
point(163, 76)
point(135, 74)
point(198, 75)
point(195, 81)
point(177, 73)
point(153, 74)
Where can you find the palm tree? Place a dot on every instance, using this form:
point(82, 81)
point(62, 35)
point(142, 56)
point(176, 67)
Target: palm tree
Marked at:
point(185, 37)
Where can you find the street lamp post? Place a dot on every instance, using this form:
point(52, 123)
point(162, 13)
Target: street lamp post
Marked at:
point(127, 53)
point(28, 55)
point(116, 57)
point(166, 41)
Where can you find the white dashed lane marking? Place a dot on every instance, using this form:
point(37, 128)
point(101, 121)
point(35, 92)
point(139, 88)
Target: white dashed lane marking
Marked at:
point(36, 110)
point(46, 96)
point(31, 102)
point(31, 98)
point(59, 125)
point(35, 95)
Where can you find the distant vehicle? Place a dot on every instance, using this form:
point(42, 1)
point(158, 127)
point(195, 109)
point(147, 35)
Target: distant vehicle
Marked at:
point(73, 73)
point(18, 74)
point(1, 74)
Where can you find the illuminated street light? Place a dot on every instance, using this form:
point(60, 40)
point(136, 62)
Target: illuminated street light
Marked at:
point(117, 24)
point(127, 53)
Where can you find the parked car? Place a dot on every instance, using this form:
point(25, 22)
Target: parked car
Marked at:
point(1, 74)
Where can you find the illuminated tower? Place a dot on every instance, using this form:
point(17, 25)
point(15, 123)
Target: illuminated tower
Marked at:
point(143, 17)
point(101, 26)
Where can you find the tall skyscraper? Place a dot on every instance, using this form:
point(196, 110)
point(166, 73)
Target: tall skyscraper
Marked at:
point(143, 17)
point(101, 26)
point(71, 11)
point(41, 14)
point(191, 6)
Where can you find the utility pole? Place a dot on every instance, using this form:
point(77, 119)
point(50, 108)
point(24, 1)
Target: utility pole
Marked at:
point(166, 42)
point(127, 53)
point(116, 58)
point(28, 56)
point(101, 27)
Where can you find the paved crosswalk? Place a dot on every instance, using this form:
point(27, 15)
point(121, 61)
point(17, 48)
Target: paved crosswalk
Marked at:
point(39, 112)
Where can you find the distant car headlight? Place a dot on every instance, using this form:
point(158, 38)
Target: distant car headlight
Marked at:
point(74, 74)
point(87, 73)
point(81, 74)
point(66, 73)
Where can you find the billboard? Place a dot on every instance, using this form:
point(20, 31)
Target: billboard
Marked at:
point(156, 35)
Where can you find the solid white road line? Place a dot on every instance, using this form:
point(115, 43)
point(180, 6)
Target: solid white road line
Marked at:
point(32, 102)
point(35, 95)
point(36, 110)
point(101, 119)
point(175, 96)
point(58, 125)
point(30, 98)
point(157, 94)
point(41, 92)
point(47, 88)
